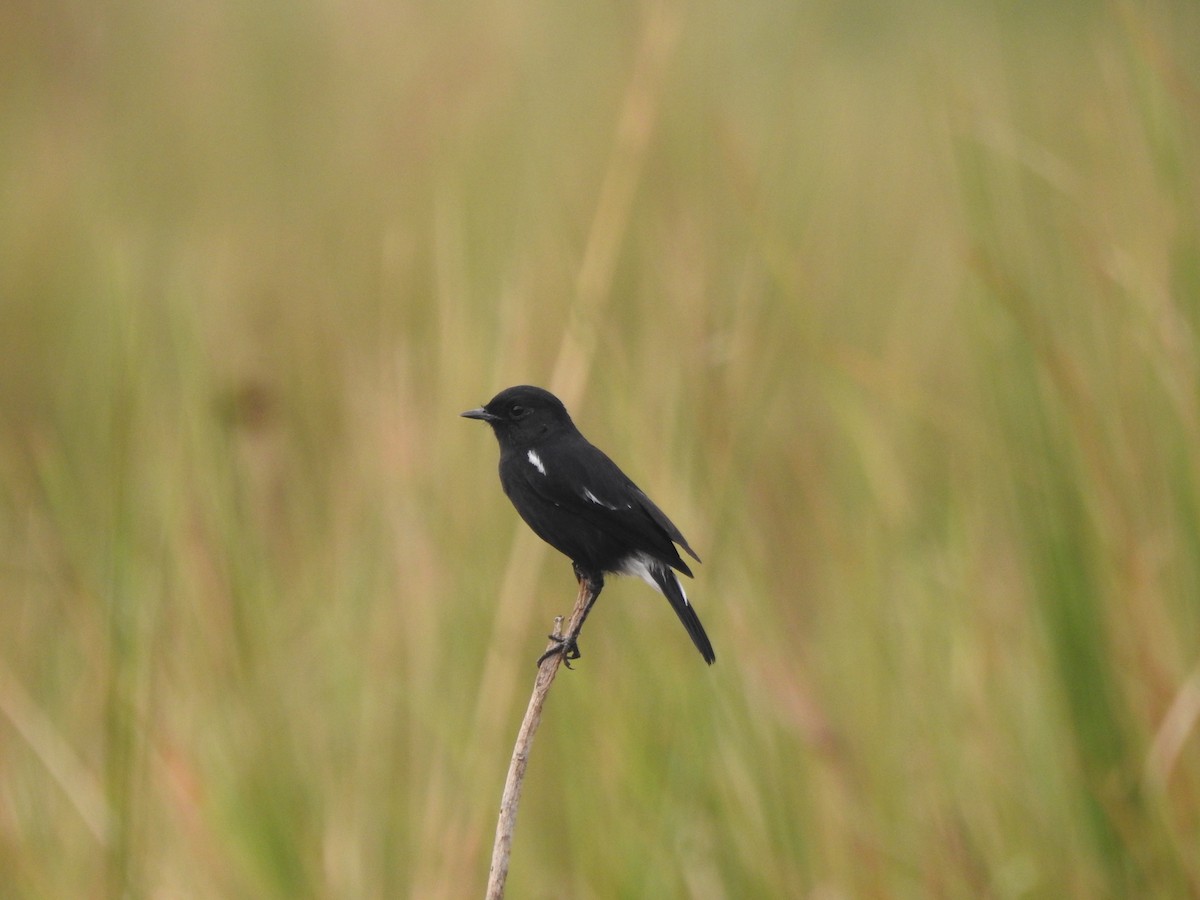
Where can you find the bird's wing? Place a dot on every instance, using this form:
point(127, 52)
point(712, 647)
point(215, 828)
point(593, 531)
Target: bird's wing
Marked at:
point(580, 477)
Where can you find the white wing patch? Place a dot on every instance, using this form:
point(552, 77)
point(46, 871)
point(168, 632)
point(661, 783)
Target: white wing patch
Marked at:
point(588, 495)
point(536, 461)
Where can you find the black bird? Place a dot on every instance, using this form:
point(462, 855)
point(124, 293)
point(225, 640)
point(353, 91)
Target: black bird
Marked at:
point(578, 501)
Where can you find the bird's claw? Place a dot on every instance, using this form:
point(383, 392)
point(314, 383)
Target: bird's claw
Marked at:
point(567, 647)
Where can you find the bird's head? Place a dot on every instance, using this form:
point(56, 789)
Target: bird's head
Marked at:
point(523, 416)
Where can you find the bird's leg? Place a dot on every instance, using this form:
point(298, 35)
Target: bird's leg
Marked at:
point(568, 645)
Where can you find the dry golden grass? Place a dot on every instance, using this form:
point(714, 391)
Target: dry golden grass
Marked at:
point(895, 313)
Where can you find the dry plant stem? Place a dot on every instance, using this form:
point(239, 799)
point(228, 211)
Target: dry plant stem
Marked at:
point(507, 822)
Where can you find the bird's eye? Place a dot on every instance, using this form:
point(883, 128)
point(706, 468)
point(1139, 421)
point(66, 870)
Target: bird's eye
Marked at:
point(517, 411)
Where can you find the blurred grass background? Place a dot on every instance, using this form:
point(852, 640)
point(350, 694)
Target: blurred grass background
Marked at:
point(894, 309)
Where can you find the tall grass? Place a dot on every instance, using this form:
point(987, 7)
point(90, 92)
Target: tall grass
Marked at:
point(896, 315)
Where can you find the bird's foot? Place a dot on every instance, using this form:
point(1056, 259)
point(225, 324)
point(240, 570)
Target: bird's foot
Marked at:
point(567, 647)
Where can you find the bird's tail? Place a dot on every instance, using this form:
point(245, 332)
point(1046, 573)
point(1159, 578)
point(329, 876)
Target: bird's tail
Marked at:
point(668, 583)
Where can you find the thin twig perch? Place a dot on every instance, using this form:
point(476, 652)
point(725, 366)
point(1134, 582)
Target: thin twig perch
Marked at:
point(507, 821)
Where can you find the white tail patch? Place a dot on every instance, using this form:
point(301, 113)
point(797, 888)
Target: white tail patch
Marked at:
point(536, 461)
point(643, 566)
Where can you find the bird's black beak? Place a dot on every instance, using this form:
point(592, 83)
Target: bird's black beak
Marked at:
point(482, 414)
